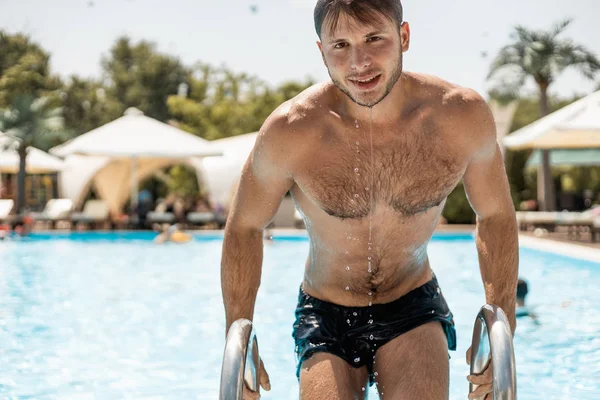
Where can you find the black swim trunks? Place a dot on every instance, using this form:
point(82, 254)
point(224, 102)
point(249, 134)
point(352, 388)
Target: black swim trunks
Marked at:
point(355, 333)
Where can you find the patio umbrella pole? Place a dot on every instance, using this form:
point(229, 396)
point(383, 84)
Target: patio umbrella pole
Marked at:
point(546, 196)
point(134, 185)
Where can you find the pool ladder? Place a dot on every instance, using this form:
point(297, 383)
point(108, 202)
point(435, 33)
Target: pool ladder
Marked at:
point(240, 361)
point(493, 344)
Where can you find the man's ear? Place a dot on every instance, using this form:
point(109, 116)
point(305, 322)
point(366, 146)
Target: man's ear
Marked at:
point(320, 46)
point(405, 36)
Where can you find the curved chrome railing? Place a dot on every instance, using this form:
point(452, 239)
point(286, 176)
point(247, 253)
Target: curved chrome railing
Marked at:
point(494, 343)
point(240, 361)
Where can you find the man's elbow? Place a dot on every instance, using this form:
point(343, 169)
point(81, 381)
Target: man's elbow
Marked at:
point(503, 217)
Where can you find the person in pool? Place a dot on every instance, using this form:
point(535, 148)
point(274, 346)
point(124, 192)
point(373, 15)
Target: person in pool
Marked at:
point(370, 158)
point(522, 310)
point(171, 233)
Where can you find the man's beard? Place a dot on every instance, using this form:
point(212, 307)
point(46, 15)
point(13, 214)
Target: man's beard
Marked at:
point(390, 85)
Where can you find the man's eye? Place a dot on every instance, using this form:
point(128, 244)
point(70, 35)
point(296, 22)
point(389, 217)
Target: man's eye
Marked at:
point(339, 45)
point(373, 39)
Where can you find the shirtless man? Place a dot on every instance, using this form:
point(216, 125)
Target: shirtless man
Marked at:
point(370, 158)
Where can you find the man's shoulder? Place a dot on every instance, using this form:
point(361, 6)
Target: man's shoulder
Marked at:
point(447, 94)
point(464, 112)
point(297, 116)
point(285, 133)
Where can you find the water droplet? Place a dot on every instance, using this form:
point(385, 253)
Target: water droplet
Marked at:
point(348, 237)
point(357, 359)
point(347, 267)
point(370, 304)
point(356, 170)
point(370, 293)
point(356, 123)
point(369, 258)
point(363, 389)
point(371, 337)
point(369, 270)
point(347, 287)
point(367, 189)
point(375, 374)
point(370, 321)
point(348, 321)
point(369, 248)
point(354, 313)
point(356, 196)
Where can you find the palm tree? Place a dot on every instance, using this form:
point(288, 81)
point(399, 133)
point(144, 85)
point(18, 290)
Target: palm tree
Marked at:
point(543, 56)
point(28, 123)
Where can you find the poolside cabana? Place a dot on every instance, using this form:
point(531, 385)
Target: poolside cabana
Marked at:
point(116, 157)
point(41, 169)
point(223, 173)
point(574, 127)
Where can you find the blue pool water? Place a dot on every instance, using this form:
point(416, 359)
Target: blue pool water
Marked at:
point(104, 316)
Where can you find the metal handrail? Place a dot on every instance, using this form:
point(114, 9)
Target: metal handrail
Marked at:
point(240, 361)
point(494, 344)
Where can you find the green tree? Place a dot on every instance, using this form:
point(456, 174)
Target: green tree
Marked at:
point(222, 103)
point(543, 56)
point(139, 76)
point(24, 69)
point(29, 123)
point(87, 105)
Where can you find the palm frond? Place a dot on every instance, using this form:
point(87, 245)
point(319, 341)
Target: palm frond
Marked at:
point(561, 26)
point(543, 56)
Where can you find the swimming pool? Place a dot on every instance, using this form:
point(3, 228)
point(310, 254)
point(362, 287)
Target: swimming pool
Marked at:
point(103, 316)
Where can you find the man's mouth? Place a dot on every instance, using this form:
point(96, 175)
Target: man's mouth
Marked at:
point(366, 83)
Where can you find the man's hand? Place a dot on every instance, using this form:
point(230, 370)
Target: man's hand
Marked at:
point(264, 383)
point(484, 380)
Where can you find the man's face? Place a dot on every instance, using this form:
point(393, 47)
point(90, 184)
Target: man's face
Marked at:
point(364, 61)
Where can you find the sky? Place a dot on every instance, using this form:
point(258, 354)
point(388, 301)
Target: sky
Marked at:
point(455, 40)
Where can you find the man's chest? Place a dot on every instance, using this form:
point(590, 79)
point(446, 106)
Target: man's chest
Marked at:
point(408, 175)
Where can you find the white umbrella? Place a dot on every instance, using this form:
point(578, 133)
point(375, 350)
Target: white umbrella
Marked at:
point(38, 162)
point(576, 126)
point(135, 135)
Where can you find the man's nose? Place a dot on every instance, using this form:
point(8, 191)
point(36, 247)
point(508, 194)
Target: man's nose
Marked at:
point(361, 59)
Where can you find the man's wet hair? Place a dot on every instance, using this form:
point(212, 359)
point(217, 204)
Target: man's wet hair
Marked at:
point(368, 12)
point(522, 289)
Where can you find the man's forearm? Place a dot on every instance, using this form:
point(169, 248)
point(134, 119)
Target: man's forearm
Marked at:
point(241, 267)
point(498, 248)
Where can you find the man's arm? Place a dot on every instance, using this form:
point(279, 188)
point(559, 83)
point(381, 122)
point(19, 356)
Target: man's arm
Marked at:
point(487, 189)
point(266, 178)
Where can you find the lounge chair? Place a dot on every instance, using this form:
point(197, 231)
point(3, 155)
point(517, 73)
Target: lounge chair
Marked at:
point(94, 212)
point(6, 206)
point(56, 210)
point(205, 218)
point(537, 219)
point(577, 222)
point(158, 217)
